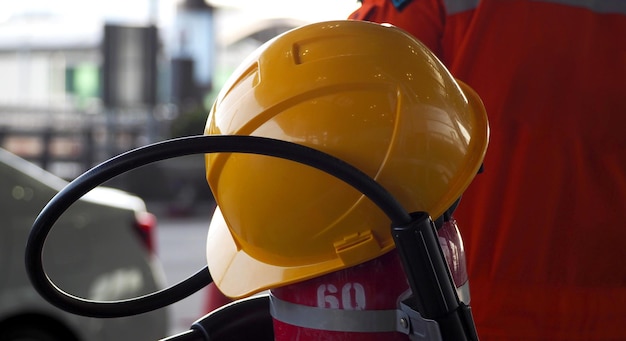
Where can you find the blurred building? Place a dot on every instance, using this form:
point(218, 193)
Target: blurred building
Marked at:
point(50, 80)
point(75, 92)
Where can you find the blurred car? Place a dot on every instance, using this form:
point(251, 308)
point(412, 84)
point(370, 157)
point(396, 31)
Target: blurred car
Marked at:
point(101, 249)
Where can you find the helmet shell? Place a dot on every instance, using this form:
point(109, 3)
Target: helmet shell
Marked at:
point(369, 94)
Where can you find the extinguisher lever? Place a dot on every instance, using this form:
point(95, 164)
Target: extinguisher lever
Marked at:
point(434, 293)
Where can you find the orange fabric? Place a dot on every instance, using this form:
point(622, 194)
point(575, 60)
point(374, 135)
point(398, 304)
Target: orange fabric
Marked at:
point(544, 225)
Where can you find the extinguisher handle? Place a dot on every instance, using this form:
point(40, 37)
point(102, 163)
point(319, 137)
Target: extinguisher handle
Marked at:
point(434, 293)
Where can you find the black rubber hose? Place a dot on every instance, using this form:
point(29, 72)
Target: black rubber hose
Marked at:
point(162, 151)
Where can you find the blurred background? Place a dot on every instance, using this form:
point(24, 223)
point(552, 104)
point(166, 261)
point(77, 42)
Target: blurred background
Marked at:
point(82, 81)
point(85, 80)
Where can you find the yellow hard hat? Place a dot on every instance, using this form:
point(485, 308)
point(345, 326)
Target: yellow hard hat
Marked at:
point(366, 93)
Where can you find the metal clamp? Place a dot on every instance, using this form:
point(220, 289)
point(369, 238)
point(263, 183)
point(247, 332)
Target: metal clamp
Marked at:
point(411, 323)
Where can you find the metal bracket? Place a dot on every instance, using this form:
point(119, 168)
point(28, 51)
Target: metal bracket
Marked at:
point(411, 323)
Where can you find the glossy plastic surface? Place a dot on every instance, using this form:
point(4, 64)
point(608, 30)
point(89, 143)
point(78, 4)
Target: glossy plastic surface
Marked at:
point(366, 93)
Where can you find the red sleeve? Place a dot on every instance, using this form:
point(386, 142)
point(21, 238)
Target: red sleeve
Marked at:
point(424, 19)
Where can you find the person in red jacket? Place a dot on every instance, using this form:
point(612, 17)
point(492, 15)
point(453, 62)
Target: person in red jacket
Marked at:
point(545, 225)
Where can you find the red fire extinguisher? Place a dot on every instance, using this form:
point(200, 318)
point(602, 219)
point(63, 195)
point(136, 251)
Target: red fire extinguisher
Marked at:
point(360, 303)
